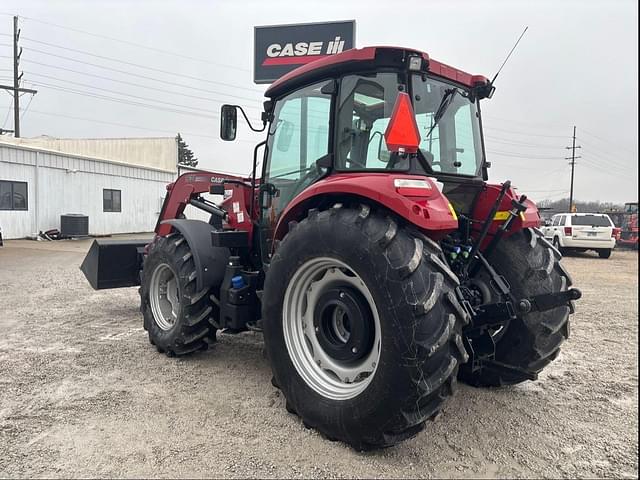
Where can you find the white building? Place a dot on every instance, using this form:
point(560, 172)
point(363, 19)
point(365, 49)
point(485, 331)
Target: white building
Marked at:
point(118, 183)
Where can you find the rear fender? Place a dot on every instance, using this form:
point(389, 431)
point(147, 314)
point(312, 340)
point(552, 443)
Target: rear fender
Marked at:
point(210, 261)
point(430, 213)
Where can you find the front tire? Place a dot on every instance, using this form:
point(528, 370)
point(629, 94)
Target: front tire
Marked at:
point(371, 376)
point(176, 316)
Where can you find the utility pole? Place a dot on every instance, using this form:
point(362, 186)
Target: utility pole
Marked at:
point(16, 80)
point(573, 159)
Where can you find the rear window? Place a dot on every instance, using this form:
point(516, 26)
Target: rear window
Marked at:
point(591, 220)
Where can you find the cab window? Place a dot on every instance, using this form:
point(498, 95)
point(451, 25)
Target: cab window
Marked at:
point(298, 137)
point(364, 108)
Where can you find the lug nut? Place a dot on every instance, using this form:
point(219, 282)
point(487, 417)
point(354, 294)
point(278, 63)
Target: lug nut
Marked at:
point(354, 350)
point(341, 294)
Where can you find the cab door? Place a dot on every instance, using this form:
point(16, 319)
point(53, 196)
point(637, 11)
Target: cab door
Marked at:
point(298, 152)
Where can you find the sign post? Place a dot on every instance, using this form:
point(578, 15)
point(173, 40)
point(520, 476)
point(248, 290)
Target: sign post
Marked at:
point(278, 49)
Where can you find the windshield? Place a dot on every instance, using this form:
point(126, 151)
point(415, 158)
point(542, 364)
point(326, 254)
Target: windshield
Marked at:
point(450, 131)
point(447, 119)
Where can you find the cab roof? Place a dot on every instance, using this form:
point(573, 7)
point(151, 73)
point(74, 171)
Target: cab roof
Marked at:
point(367, 58)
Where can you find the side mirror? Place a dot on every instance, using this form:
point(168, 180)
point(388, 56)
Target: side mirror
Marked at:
point(228, 122)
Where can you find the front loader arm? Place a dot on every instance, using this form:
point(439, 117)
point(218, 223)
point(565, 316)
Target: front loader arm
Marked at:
point(190, 185)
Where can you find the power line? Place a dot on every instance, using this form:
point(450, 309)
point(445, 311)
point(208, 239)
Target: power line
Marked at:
point(124, 82)
point(543, 191)
point(546, 126)
point(492, 139)
point(137, 65)
point(523, 133)
point(594, 165)
point(59, 88)
point(135, 84)
point(617, 144)
point(603, 154)
point(6, 117)
point(133, 74)
point(137, 127)
point(24, 111)
point(126, 42)
point(120, 100)
point(504, 153)
point(119, 93)
point(553, 197)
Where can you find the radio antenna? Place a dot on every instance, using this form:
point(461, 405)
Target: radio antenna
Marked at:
point(505, 60)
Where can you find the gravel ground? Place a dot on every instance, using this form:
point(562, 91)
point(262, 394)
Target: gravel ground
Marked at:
point(83, 394)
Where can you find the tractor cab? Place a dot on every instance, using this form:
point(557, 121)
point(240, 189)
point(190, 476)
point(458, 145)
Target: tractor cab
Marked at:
point(368, 113)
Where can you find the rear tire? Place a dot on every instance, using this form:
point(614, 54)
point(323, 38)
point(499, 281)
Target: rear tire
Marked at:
point(176, 316)
point(604, 252)
point(415, 327)
point(531, 266)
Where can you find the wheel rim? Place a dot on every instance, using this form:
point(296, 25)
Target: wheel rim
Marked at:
point(164, 298)
point(331, 328)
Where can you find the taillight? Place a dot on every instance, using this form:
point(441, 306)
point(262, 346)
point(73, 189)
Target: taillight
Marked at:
point(409, 187)
point(567, 231)
point(615, 233)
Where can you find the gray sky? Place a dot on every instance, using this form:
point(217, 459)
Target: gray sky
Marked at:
point(577, 65)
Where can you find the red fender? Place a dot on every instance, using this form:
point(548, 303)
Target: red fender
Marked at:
point(484, 203)
point(427, 208)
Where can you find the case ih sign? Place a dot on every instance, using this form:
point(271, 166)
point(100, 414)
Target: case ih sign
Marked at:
point(278, 49)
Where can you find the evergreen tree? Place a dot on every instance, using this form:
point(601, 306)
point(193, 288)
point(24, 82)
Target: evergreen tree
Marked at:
point(185, 155)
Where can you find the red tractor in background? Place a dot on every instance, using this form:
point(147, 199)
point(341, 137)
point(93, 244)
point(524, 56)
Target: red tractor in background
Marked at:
point(371, 252)
point(627, 223)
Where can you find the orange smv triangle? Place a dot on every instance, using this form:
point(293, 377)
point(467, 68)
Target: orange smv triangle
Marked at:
point(402, 134)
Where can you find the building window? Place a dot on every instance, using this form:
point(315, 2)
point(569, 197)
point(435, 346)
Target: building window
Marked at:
point(13, 195)
point(111, 200)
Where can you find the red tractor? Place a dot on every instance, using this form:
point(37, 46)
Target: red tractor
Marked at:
point(627, 223)
point(371, 252)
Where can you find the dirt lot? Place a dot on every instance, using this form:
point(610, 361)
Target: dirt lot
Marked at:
point(83, 394)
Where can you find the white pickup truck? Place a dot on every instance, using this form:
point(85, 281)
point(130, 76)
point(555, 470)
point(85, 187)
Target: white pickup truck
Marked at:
point(581, 232)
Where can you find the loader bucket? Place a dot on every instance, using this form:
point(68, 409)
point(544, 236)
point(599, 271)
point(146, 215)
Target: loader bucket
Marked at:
point(113, 263)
